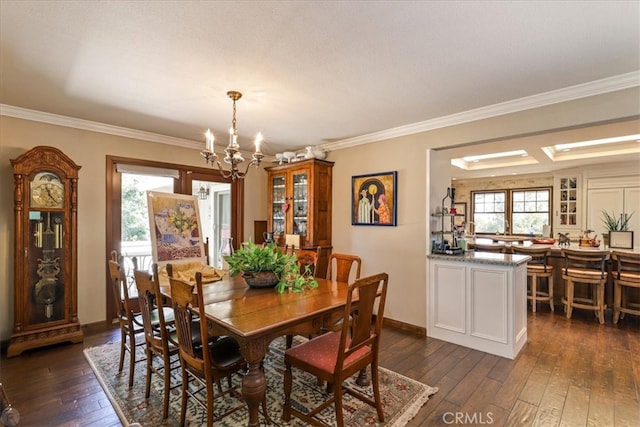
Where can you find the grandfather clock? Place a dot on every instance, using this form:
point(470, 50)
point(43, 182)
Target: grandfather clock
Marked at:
point(45, 264)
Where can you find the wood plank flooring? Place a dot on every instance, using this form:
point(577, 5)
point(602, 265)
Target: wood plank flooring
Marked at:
point(570, 373)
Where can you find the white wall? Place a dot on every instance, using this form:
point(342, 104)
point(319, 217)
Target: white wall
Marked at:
point(89, 150)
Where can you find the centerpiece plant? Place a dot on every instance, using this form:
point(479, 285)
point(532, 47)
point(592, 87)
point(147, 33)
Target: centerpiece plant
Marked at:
point(253, 260)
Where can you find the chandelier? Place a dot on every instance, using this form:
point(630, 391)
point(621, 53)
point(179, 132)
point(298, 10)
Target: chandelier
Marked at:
point(233, 156)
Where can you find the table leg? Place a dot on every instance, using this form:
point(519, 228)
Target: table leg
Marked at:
point(363, 380)
point(254, 387)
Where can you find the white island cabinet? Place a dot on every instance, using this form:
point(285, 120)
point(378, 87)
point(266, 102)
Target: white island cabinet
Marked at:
point(479, 300)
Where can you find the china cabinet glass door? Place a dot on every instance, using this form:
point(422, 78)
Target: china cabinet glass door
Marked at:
point(300, 211)
point(278, 201)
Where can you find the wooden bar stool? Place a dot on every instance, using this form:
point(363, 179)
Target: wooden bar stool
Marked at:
point(587, 267)
point(626, 277)
point(496, 248)
point(538, 268)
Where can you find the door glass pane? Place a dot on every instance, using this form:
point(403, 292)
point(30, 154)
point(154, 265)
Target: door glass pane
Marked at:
point(214, 204)
point(300, 213)
point(136, 241)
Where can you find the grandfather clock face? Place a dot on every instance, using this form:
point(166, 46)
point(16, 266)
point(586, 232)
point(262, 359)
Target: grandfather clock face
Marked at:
point(46, 191)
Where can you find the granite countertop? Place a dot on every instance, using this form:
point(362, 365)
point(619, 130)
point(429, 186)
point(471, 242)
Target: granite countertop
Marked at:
point(484, 258)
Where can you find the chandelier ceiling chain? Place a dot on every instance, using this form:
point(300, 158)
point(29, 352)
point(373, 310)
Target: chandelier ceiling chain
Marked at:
point(233, 156)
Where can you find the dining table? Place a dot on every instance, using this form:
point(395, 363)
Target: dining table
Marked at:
point(256, 316)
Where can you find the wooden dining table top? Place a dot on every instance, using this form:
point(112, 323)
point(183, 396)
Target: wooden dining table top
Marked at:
point(255, 317)
point(246, 311)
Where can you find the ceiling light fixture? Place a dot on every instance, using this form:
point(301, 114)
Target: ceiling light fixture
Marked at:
point(494, 155)
point(233, 156)
point(581, 144)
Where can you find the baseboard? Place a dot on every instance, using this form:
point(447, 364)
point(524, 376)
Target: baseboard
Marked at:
point(416, 330)
point(91, 327)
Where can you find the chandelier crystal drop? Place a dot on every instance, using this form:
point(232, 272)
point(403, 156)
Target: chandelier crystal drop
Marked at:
point(233, 156)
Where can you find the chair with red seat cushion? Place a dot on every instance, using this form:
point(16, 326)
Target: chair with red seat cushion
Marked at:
point(336, 356)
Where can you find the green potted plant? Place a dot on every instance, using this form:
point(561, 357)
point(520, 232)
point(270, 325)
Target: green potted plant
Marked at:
point(614, 223)
point(267, 266)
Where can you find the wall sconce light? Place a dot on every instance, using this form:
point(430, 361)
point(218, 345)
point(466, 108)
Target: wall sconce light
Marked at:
point(203, 193)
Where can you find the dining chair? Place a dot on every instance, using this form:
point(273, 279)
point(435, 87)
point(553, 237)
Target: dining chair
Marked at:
point(340, 265)
point(585, 267)
point(130, 321)
point(161, 341)
point(538, 268)
point(206, 364)
point(336, 356)
point(307, 260)
point(626, 277)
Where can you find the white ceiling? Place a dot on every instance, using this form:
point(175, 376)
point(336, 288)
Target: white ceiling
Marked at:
point(312, 72)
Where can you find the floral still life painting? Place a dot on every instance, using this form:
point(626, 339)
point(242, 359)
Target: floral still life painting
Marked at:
point(174, 223)
point(374, 199)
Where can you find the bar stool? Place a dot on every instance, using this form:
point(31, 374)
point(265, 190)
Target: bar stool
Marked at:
point(587, 267)
point(496, 248)
point(627, 276)
point(538, 268)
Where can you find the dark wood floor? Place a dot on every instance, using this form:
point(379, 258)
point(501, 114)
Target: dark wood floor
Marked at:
point(571, 373)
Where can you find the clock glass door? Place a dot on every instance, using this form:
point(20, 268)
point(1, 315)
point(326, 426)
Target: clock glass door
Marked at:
point(46, 261)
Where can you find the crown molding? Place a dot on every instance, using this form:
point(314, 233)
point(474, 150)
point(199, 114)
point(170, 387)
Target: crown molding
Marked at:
point(584, 90)
point(70, 122)
point(597, 87)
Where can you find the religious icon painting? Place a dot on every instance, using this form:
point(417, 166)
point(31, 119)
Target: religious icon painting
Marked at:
point(374, 199)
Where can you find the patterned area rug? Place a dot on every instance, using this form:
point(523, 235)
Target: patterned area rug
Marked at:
point(402, 397)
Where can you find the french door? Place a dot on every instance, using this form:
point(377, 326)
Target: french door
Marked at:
point(128, 180)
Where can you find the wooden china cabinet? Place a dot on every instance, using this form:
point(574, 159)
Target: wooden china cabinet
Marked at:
point(45, 264)
point(299, 197)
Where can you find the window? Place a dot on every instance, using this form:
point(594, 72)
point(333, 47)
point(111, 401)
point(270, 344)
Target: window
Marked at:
point(489, 212)
point(521, 211)
point(530, 211)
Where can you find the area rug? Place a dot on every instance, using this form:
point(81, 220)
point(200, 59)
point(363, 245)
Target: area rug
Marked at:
point(402, 397)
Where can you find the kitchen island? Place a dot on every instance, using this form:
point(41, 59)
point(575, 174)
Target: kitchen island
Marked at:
point(479, 300)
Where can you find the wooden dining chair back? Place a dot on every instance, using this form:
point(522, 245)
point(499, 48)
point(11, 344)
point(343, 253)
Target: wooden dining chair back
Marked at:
point(538, 268)
point(585, 267)
point(340, 265)
point(626, 278)
point(206, 364)
point(161, 342)
point(131, 327)
point(307, 260)
point(335, 356)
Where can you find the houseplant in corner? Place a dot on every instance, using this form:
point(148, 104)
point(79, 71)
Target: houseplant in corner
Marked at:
point(613, 223)
point(268, 266)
